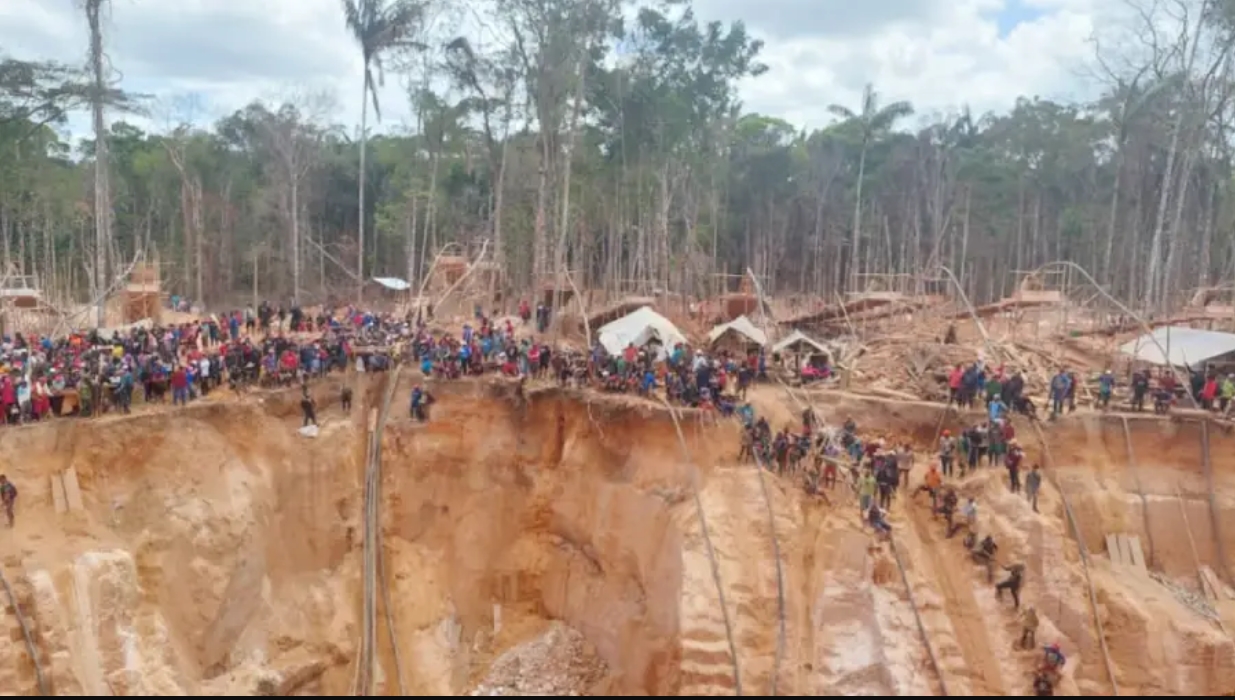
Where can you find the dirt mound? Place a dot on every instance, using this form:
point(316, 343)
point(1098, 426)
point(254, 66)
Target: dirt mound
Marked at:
point(555, 545)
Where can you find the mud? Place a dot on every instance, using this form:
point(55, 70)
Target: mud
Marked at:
point(555, 544)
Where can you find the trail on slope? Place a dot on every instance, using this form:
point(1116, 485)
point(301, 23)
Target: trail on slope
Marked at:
point(960, 605)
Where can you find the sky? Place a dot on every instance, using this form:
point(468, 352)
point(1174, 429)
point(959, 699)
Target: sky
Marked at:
point(203, 59)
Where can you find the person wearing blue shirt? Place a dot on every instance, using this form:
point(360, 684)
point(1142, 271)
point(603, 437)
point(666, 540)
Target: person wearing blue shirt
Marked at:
point(1106, 384)
point(996, 409)
point(649, 382)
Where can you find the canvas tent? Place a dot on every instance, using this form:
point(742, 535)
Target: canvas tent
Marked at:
point(1184, 346)
point(639, 328)
point(803, 348)
point(798, 341)
point(740, 331)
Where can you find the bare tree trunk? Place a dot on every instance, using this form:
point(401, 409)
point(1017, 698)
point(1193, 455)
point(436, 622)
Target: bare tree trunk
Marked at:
point(360, 214)
point(102, 192)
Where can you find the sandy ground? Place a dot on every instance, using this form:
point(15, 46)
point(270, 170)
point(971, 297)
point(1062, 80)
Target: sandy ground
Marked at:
point(556, 547)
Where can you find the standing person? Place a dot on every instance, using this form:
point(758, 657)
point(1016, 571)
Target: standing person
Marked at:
point(308, 407)
point(947, 450)
point(345, 398)
point(1033, 483)
point(1106, 385)
point(1061, 384)
point(1013, 462)
point(866, 490)
point(8, 497)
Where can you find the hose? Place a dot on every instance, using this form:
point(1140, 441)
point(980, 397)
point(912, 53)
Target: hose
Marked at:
point(1080, 543)
point(917, 618)
point(1213, 502)
point(25, 633)
point(1140, 491)
point(711, 551)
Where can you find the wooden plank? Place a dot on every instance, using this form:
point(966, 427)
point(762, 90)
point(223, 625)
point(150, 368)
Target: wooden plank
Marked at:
point(1112, 549)
point(1137, 555)
point(1210, 585)
point(72, 490)
point(57, 494)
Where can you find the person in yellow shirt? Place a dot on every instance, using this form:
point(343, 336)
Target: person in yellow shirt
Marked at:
point(866, 490)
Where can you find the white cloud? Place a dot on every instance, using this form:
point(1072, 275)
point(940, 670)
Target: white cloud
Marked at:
point(938, 54)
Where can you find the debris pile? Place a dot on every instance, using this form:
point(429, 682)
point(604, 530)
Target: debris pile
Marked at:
point(1194, 601)
point(558, 662)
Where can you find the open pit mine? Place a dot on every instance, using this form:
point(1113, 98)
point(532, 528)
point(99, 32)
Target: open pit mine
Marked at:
point(565, 543)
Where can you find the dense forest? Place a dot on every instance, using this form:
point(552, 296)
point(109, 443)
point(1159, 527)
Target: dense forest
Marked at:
point(618, 150)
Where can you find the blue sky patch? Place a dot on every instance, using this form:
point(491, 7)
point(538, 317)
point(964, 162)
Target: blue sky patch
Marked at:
point(1015, 12)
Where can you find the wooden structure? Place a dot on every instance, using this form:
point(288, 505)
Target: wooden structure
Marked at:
point(21, 303)
point(143, 293)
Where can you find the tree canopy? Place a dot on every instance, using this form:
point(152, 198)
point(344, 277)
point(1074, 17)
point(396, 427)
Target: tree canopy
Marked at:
point(618, 149)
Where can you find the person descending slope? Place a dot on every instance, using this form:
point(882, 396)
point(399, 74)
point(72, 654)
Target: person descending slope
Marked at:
point(8, 497)
point(1012, 584)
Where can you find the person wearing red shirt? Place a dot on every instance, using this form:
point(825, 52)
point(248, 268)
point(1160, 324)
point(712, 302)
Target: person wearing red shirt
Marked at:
point(180, 386)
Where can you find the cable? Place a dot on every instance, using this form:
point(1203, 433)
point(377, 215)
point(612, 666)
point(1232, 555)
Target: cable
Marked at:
point(25, 633)
point(1080, 542)
point(711, 551)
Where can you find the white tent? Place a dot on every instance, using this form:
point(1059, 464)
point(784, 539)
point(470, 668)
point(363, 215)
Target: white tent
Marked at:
point(1184, 346)
point(798, 337)
point(638, 328)
point(743, 327)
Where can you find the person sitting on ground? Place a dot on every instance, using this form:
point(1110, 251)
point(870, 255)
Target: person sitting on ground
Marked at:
point(983, 553)
point(875, 518)
point(970, 511)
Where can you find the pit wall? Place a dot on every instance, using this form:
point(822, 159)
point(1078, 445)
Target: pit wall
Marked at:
point(546, 507)
point(1157, 644)
point(213, 549)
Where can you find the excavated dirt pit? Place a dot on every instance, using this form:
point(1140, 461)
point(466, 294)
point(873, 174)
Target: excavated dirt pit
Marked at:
point(555, 547)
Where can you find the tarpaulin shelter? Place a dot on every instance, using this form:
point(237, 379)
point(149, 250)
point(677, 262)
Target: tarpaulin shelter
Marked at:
point(639, 328)
point(803, 346)
point(394, 284)
point(1184, 346)
point(738, 335)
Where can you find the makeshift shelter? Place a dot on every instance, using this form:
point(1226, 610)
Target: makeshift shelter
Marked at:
point(143, 294)
point(1184, 346)
point(639, 328)
point(803, 348)
point(739, 336)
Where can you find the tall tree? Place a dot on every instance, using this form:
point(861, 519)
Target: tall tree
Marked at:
point(379, 28)
point(102, 185)
point(873, 121)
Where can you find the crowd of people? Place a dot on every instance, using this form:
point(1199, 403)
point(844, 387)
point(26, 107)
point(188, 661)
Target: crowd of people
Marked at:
point(876, 472)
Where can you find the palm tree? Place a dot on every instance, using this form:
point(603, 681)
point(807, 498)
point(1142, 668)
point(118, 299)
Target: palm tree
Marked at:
point(379, 27)
point(102, 186)
point(874, 122)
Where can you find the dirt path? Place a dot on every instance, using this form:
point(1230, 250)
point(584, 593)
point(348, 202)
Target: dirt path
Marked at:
point(960, 605)
point(707, 665)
